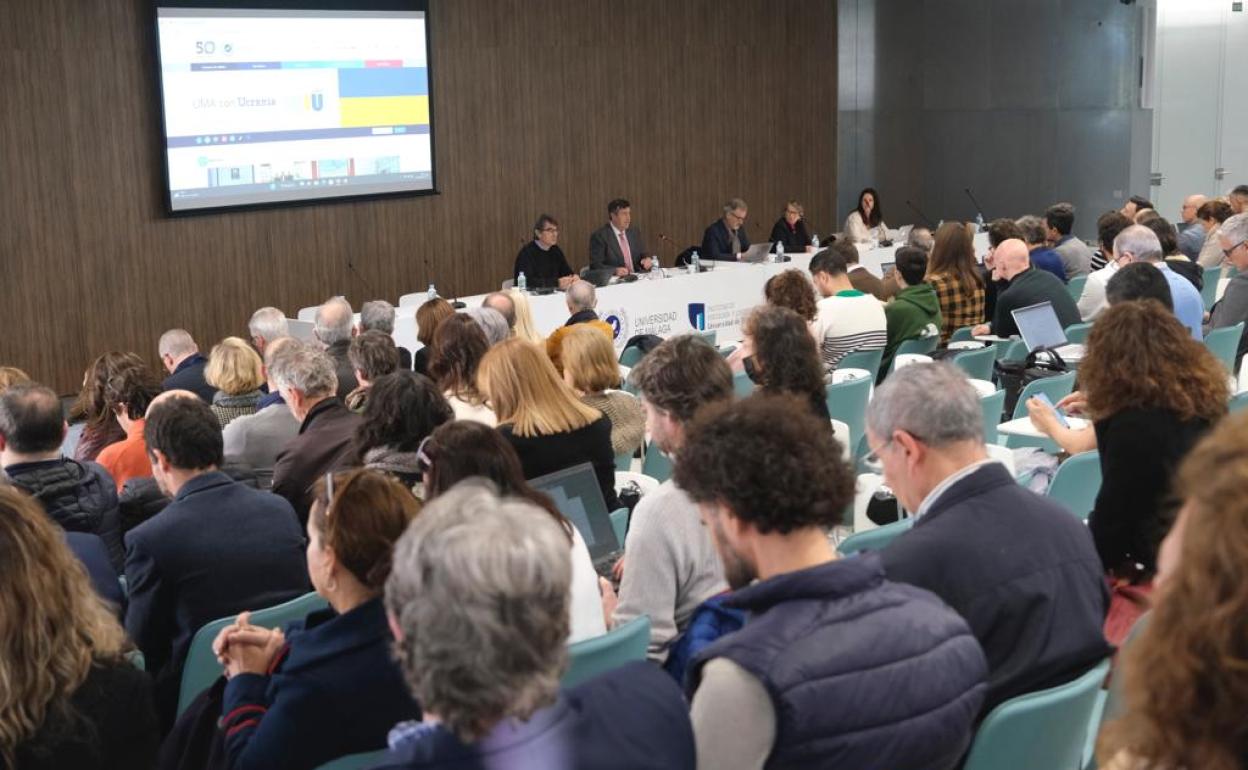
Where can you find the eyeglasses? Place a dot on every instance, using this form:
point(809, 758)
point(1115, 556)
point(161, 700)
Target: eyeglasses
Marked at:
point(423, 461)
point(1228, 252)
point(550, 229)
point(874, 457)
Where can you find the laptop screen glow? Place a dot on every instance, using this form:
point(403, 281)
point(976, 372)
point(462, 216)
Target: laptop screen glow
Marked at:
point(1039, 327)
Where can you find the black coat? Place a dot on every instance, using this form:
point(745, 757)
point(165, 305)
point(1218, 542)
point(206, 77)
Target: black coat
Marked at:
point(80, 497)
point(717, 244)
point(189, 375)
point(795, 241)
point(540, 455)
point(324, 437)
point(343, 367)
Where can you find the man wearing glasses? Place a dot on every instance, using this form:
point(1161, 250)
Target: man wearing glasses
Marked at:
point(1233, 307)
point(726, 238)
point(1191, 233)
point(541, 260)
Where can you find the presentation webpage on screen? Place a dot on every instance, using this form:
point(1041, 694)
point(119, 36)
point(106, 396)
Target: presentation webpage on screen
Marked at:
point(265, 106)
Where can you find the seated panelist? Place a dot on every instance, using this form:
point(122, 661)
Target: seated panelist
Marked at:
point(725, 239)
point(618, 244)
point(541, 260)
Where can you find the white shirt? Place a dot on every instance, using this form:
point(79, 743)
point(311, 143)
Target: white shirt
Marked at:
point(1092, 302)
point(949, 481)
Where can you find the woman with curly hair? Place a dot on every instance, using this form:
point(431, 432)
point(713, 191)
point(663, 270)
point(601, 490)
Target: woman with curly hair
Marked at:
point(93, 405)
point(792, 289)
point(781, 357)
point(403, 408)
point(458, 346)
point(1184, 689)
point(68, 696)
point(1151, 392)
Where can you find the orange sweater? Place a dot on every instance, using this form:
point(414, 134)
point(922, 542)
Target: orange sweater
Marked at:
point(127, 459)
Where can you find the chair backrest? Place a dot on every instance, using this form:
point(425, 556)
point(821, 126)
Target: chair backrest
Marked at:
point(1209, 289)
point(961, 334)
point(1077, 334)
point(1224, 342)
point(202, 668)
point(847, 402)
point(1075, 287)
point(619, 523)
point(655, 464)
point(863, 359)
point(993, 407)
point(1077, 482)
point(622, 644)
point(1112, 703)
point(742, 385)
point(1056, 388)
point(1042, 730)
point(355, 761)
point(1014, 350)
point(976, 363)
point(631, 355)
point(874, 539)
point(917, 346)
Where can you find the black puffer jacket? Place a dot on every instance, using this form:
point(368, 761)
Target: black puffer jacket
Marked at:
point(81, 497)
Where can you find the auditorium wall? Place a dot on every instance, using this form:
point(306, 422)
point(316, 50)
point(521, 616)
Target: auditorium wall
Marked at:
point(1026, 102)
point(544, 106)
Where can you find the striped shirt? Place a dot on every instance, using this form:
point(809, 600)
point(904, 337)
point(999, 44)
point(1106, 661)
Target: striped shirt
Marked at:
point(846, 322)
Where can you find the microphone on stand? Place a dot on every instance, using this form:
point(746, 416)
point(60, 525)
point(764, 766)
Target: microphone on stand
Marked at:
point(979, 210)
point(367, 285)
point(924, 217)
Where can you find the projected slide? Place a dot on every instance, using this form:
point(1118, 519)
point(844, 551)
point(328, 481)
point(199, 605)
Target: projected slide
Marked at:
point(269, 106)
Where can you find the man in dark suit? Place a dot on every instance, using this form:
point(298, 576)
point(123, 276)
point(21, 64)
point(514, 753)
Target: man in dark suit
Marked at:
point(1018, 567)
point(618, 244)
point(335, 323)
point(180, 356)
point(217, 549)
point(726, 238)
point(305, 378)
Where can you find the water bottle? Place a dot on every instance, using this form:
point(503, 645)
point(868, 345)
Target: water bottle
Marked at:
point(979, 222)
point(433, 292)
point(779, 251)
point(695, 263)
point(814, 241)
point(522, 283)
point(655, 270)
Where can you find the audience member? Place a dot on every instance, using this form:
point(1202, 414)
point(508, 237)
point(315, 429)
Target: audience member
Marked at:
point(219, 548)
point(428, 316)
point(792, 289)
point(129, 393)
point(489, 684)
point(525, 327)
point(1020, 569)
point(1211, 215)
point(1233, 307)
point(256, 440)
point(10, 376)
point(1059, 220)
point(1167, 236)
point(237, 373)
point(592, 371)
point(618, 244)
point(541, 417)
point(1092, 301)
point(921, 237)
point(462, 450)
point(670, 564)
point(863, 279)
point(80, 497)
point(267, 325)
point(1134, 205)
point(378, 315)
point(1028, 286)
point(847, 320)
point(769, 482)
point(328, 685)
point(1135, 282)
point(866, 221)
point(781, 357)
point(458, 347)
point(541, 260)
point(504, 304)
point(93, 407)
point(492, 324)
point(1238, 199)
point(915, 311)
point(726, 238)
point(790, 229)
point(1035, 235)
point(305, 379)
point(999, 231)
point(581, 299)
point(180, 356)
point(334, 327)
point(404, 409)
point(373, 354)
point(70, 698)
point(1143, 216)
point(1191, 233)
point(954, 276)
point(1183, 697)
point(1139, 244)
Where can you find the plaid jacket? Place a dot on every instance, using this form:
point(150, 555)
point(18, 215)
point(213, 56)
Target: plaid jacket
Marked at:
point(960, 305)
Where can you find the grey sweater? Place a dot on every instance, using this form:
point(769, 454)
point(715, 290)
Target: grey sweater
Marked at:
point(670, 566)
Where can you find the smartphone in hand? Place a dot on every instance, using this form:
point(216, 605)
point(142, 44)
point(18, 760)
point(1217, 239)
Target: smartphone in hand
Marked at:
point(1049, 402)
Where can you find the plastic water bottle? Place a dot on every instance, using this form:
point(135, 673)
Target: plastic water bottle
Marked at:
point(522, 283)
point(814, 241)
point(656, 272)
point(779, 251)
point(695, 263)
point(979, 222)
point(433, 292)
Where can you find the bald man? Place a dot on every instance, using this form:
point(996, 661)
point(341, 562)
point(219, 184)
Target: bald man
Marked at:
point(1191, 233)
point(581, 299)
point(335, 323)
point(1028, 286)
point(182, 360)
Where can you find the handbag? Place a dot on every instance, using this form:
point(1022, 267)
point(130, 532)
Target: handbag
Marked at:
point(1013, 376)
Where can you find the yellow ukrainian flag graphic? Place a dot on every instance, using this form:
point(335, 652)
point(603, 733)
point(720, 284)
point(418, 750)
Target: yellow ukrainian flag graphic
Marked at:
point(359, 111)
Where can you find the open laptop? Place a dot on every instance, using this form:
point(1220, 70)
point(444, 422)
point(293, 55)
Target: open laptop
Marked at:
point(1039, 328)
point(578, 497)
point(756, 253)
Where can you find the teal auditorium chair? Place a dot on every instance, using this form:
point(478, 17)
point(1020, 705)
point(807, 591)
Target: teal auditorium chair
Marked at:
point(961, 334)
point(874, 539)
point(742, 386)
point(993, 406)
point(976, 363)
point(1015, 350)
point(847, 402)
point(656, 465)
point(1075, 286)
point(623, 644)
point(1056, 388)
point(1077, 482)
point(202, 668)
point(1044, 730)
point(863, 359)
point(919, 346)
point(355, 761)
point(1110, 704)
point(619, 523)
point(1209, 290)
point(630, 357)
point(1223, 343)
point(1077, 334)
point(1238, 402)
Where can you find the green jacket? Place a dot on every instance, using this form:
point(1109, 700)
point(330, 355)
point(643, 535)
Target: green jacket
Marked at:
point(909, 315)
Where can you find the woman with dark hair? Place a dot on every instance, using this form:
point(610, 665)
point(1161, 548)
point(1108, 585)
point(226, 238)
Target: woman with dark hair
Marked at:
point(1168, 236)
point(1211, 215)
point(793, 290)
point(129, 393)
point(458, 347)
point(954, 274)
point(866, 221)
point(428, 317)
point(461, 450)
point(782, 358)
point(92, 405)
point(1182, 677)
point(402, 409)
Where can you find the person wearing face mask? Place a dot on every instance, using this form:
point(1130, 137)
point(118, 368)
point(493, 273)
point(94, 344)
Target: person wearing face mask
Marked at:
point(781, 357)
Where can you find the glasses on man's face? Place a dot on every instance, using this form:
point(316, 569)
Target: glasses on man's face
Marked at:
point(1228, 252)
point(550, 229)
point(873, 459)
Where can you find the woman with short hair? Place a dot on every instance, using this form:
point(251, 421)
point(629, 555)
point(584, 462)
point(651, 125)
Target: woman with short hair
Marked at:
point(790, 229)
point(235, 370)
point(592, 371)
point(458, 346)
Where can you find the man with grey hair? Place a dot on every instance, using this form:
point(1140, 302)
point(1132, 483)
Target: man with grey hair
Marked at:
point(489, 684)
point(492, 324)
point(725, 239)
point(1138, 243)
point(266, 325)
point(304, 376)
point(1035, 235)
point(181, 358)
point(581, 299)
point(334, 329)
point(1233, 307)
point(1191, 232)
point(378, 315)
point(1027, 286)
point(256, 439)
point(922, 238)
point(504, 304)
point(1018, 566)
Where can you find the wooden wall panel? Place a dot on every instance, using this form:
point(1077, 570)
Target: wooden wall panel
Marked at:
point(546, 105)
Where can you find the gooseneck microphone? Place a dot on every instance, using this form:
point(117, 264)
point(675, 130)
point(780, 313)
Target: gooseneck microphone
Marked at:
point(979, 210)
point(367, 285)
point(930, 224)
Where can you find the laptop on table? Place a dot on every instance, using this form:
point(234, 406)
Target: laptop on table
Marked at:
point(1040, 330)
point(578, 497)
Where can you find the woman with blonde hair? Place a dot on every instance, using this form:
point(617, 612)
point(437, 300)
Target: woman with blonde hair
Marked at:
point(953, 273)
point(590, 369)
point(526, 328)
point(1183, 678)
point(541, 416)
point(10, 376)
point(235, 370)
point(69, 697)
